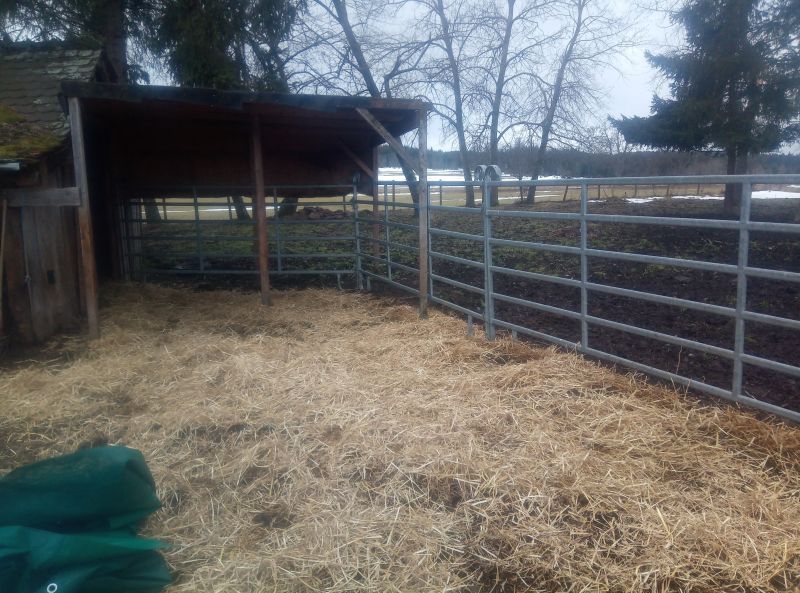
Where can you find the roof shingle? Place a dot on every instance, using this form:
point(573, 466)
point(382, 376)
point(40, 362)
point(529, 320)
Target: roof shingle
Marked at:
point(30, 83)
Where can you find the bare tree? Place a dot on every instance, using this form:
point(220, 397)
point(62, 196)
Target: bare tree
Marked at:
point(447, 63)
point(592, 35)
point(511, 58)
point(342, 52)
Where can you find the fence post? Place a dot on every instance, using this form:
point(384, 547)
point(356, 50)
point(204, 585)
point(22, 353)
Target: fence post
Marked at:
point(277, 220)
point(386, 235)
point(488, 285)
point(584, 344)
point(741, 288)
point(198, 236)
point(359, 278)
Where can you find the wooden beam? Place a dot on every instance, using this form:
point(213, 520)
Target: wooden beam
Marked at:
point(56, 196)
point(19, 302)
point(88, 263)
point(360, 163)
point(260, 211)
point(388, 138)
point(423, 213)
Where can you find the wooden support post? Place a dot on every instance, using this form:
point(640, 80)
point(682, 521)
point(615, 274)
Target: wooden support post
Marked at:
point(88, 263)
point(261, 213)
point(423, 213)
point(3, 225)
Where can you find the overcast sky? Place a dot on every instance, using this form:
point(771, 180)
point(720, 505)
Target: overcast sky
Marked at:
point(631, 89)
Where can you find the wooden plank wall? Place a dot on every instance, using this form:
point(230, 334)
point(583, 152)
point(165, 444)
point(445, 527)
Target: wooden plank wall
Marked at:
point(50, 244)
point(41, 244)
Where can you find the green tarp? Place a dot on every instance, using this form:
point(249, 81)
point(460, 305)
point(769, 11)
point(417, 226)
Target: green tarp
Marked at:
point(68, 525)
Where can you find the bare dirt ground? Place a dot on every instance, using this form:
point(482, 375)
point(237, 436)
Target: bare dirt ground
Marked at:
point(335, 442)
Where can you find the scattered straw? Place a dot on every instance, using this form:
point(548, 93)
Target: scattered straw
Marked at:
point(335, 443)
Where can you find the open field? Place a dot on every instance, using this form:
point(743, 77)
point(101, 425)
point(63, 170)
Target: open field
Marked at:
point(335, 442)
point(222, 208)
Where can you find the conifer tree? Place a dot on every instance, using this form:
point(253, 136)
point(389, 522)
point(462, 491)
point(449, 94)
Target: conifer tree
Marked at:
point(734, 85)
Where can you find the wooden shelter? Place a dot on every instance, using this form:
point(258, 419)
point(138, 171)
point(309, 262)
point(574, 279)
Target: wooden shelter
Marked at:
point(130, 140)
point(39, 268)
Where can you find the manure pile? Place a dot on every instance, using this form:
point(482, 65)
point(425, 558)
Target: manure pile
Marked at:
point(336, 443)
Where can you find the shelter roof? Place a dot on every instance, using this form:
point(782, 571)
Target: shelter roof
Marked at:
point(300, 119)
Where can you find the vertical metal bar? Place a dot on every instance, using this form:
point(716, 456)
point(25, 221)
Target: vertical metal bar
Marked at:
point(230, 214)
point(430, 248)
point(386, 235)
point(198, 236)
point(440, 195)
point(470, 326)
point(164, 207)
point(424, 197)
point(277, 219)
point(584, 267)
point(394, 195)
point(488, 284)
point(741, 288)
point(357, 237)
point(428, 244)
point(127, 267)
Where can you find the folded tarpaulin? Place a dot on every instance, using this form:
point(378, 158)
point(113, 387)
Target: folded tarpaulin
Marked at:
point(98, 489)
point(36, 561)
point(68, 525)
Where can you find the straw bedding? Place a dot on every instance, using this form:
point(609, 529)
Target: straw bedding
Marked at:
point(334, 442)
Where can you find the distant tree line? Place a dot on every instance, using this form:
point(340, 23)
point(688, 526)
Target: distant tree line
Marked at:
point(577, 163)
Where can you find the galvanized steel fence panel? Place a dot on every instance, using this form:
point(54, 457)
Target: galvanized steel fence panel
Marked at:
point(742, 270)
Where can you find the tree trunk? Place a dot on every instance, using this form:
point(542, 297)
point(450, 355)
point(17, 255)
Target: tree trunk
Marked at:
point(558, 87)
point(499, 87)
point(458, 104)
point(151, 212)
point(737, 164)
point(366, 73)
point(114, 42)
point(288, 206)
point(413, 184)
point(241, 209)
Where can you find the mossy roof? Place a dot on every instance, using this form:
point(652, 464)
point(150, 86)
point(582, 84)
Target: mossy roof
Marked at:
point(32, 121)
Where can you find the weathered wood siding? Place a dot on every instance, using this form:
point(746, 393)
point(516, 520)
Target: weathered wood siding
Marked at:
point(41, 266)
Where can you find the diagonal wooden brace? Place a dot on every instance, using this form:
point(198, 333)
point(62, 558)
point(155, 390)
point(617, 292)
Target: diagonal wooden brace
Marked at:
point(361, 164)
point(388, 138)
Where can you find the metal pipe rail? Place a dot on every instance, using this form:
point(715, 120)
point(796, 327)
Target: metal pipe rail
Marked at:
point(586, 253)
point(358, 248)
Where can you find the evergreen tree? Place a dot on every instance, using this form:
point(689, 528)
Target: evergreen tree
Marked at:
point(224, 44)
point(734, 86)
point(210, 43)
